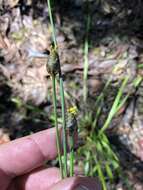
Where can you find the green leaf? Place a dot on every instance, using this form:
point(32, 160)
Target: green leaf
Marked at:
point(109, 171)
point(114, 106)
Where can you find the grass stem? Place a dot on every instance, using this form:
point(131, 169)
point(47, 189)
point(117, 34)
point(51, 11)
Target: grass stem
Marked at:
point(71, 156)
point(56, 124)
point(52, 23)
point(85, 73)
point(64, 126)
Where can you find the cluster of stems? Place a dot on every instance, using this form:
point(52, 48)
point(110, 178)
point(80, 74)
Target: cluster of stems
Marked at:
point(53, 67)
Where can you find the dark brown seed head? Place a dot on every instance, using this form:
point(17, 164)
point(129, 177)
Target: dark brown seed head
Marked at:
point(53, 63)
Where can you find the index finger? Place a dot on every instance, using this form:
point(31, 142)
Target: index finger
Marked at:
point(23, 155)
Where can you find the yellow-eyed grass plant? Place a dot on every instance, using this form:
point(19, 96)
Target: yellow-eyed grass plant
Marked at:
point(65, 172)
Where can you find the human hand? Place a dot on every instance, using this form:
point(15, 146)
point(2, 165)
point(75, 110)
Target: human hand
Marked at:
point(22, 166)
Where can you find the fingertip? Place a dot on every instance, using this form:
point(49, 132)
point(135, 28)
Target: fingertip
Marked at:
point(23, 155)
point(41, 179)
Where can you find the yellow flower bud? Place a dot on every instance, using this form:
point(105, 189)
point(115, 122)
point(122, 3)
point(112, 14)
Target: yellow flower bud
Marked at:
point(72, 110)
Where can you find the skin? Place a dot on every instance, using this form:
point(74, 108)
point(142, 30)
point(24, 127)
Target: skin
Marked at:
point(22, 165)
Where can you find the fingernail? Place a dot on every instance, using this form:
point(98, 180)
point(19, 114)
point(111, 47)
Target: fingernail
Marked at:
point(81, 187)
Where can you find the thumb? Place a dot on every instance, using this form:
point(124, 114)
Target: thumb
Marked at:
point(77, 183)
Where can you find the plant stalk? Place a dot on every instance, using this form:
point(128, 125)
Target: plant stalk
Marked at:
point(64, 126)
point(71, 156)
point(86, 62)
point(56, 125)
point(52, 23)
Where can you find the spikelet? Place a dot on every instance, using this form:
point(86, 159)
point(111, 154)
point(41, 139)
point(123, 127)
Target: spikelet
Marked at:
point(53, 63)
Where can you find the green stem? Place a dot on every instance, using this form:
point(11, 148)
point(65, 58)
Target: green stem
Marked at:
point(64, 126)
point(56, 124)
point(52, 23)
point(85, 90)
point(71, 156)
point(86, 62)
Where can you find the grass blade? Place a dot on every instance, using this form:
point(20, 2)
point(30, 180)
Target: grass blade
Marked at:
point(114, 106)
